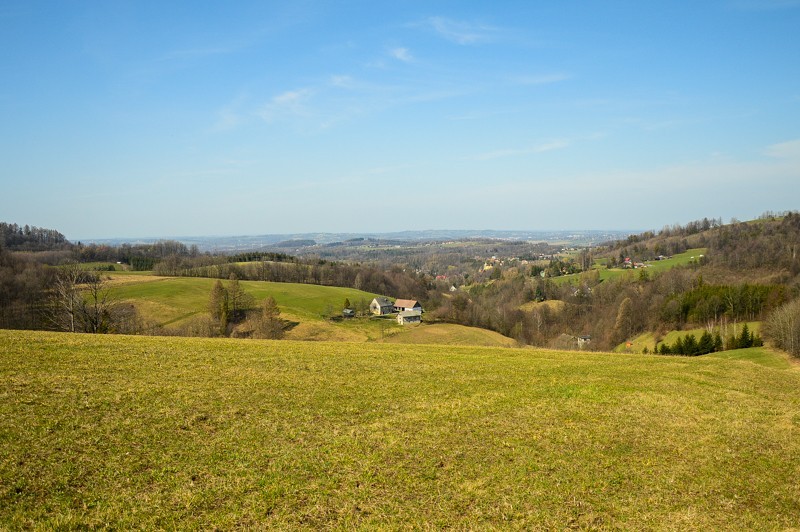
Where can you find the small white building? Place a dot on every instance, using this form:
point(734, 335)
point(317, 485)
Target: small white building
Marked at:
point(409, 316)
point(381, 306)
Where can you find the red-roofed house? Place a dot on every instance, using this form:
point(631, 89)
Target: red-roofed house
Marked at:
point(402, 305)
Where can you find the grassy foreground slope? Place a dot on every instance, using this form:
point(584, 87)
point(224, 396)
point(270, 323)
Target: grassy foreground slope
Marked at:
point(194, 433)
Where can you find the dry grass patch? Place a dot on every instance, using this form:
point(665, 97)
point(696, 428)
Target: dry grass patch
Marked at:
point(553, 305)
point(450, 334)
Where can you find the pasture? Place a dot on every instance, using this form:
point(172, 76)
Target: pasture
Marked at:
point(142, 432)
point(681, 259)
point(173, 301)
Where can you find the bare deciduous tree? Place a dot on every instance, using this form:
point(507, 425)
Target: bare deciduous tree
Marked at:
point(81, 301)
point(66, 302)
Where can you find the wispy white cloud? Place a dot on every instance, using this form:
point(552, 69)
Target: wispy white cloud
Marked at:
point(460, 32)
point(289, 103)
point(709, 187)
point(401, 54)
point(343, 82)
point(784, 150)
point(196, 53)
point(557, 144)
point(542, 79)
point(230, 115)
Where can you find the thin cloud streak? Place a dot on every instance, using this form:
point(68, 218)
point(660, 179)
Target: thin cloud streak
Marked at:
point(460, 32)
point(544, 79)
point(784, 150)
point(540, 148)
point(402, 54)
point(289, 103)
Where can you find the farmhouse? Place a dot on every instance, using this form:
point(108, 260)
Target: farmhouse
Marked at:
point(409, 316)
point(402, 305)
point(381, 306)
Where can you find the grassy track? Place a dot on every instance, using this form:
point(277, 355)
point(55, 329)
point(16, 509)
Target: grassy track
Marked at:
point(140, 432)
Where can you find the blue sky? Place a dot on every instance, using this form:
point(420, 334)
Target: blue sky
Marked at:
point(125, 119)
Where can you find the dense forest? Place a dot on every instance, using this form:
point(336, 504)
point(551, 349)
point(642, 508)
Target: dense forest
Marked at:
point(27, 238)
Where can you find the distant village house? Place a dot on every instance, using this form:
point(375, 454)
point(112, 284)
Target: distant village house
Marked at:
point(381, 306)
point(402, 305)
point(409, 316)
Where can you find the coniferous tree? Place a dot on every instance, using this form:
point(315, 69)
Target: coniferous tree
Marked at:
point(218, 307)
point(706, 344)
point(745, 339)
point(690, 345)
point(269, 324)
point(678, 347)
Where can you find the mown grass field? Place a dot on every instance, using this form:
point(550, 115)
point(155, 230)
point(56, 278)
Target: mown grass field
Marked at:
point(142, 432)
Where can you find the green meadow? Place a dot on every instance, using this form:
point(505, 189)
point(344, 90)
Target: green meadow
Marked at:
point(681, 259)
point(173, 301)
point(151, 433)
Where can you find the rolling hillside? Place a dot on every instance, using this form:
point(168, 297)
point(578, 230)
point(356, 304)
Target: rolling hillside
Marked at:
point(142, 432)
point(173, 301)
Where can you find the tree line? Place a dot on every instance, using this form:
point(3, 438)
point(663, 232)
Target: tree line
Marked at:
point(689, 345)
point(29, 238)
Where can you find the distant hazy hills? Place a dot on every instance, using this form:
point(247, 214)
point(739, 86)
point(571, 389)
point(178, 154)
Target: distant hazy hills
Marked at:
point(248, 242)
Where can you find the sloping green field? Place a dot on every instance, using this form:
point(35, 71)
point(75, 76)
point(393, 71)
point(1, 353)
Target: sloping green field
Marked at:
point(181, 297)
point(149, 433)
point(172, 301)
point(450, 334)
point(655, 266)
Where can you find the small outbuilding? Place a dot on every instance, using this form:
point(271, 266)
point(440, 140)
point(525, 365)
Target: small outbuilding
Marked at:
point(409, 316)
point(381, 306)
point(348, 313)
